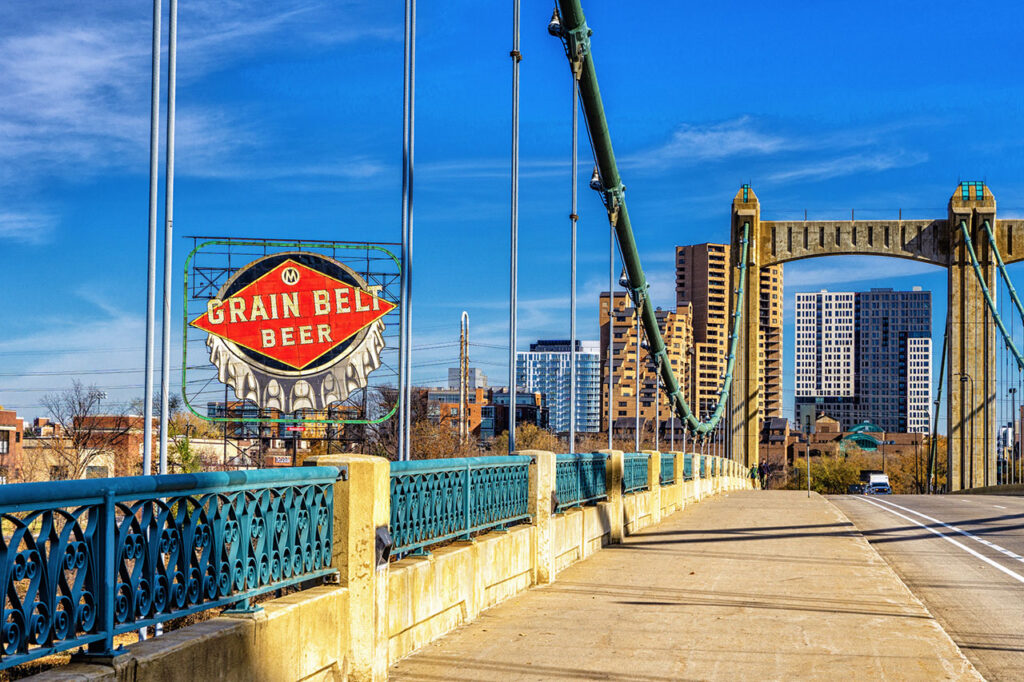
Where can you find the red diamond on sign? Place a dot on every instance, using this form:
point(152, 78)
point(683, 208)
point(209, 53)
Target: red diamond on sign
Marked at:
point(293, 314)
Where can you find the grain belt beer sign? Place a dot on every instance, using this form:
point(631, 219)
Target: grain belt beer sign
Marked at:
point(295, 330)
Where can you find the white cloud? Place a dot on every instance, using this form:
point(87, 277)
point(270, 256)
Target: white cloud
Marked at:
point(27, 227)
point(850, 165)
point(846, 269)
point(692, 143)
point(77, 82)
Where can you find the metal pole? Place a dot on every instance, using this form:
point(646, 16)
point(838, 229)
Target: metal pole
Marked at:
point(1013, 435)
point(807, 454)
point(611, 327)
point(514, 251)
point(405, 312)
point(165, 370)
point(573, 217)
point(154, 182)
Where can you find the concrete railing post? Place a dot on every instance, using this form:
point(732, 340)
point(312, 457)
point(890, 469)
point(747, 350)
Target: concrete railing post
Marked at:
point(362, 505)
point(541, 508)
point(654, 483)
point(613, 480)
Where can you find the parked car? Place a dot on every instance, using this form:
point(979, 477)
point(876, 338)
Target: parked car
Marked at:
point(855, 489)
point(878, 489)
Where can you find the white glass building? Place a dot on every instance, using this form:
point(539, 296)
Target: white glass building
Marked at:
point(545, 369)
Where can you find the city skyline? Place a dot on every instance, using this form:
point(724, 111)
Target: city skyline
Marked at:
point(246, 167)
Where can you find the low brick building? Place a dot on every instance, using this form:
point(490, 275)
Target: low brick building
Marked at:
point(12, 432)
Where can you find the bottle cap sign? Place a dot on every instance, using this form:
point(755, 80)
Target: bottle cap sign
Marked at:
point(295, 330)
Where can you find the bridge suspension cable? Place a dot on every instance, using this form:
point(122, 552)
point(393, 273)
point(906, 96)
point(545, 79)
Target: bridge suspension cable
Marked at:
point(575, 36)
point(1007, 337)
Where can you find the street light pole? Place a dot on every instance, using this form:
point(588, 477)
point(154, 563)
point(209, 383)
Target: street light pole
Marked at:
point(1013, 435)
point(964, 377)
point(807, 453)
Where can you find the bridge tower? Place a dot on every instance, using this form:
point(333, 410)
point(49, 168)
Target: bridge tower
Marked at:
point(971, 408)
point(746, 388)
point(971, 372)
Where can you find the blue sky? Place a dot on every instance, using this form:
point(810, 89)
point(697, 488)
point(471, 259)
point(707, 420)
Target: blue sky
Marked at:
point(289, 123)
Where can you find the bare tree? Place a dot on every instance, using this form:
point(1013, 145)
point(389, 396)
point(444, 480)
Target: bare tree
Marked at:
point(86, 432)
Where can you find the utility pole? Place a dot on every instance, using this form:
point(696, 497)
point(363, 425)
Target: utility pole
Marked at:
point(464, 378)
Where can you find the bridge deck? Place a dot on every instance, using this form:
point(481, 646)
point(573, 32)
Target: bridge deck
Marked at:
point(752, 585)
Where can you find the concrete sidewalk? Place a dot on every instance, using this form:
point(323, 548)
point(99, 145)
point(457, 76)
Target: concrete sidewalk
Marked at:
point(749, 585)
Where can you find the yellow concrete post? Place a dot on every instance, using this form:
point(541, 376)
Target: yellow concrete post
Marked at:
point(541, 507)
point(361, 506)
point(613, 481)
point(654, 483)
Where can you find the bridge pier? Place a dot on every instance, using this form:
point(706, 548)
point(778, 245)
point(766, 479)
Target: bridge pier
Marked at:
point(744, 423)
point(971, 408)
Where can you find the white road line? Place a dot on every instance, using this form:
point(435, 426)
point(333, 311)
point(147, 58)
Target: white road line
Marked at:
point(1013, 574)
point(992, 545)
point(998, 506)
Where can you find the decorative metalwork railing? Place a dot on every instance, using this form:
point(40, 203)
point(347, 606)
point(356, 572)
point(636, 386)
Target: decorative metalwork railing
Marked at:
point(687, 467)
point(634, 472)
point(87, 560)
point(668, 463)
point(714, 467)
point(434, 500)
point(703, 466)
point(579, 478)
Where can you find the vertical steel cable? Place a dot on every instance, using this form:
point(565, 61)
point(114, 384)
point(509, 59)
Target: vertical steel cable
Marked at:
point(572, 267)
point(405, 311)
point(611, 327)
point(636, 376)
point(154, 183)
point(165, 370)
point(514, 228)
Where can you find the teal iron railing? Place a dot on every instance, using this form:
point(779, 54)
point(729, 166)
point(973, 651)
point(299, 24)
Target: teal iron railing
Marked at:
point(703, 466)
point(579, 479)
point(634, 472)
point(667, 475)
point(87, 560)
point(434, 500)
point(687, 467)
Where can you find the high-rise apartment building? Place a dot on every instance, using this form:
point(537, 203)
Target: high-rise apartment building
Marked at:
point(677, 332)
point(704, 281)
point(865, 356)
point(545, 370)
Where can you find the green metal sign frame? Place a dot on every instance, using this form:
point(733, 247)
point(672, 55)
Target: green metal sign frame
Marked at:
point(277, 245)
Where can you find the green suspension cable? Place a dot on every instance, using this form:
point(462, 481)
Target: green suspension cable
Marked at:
point(988, 296)
point(1002, 270)
point(575, 36)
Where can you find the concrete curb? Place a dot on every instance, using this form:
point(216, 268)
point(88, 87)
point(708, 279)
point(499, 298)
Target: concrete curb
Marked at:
point(870, 548)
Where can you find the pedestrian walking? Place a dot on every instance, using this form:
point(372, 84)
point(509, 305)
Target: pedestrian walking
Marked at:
point(753, 475)
point(762, 473)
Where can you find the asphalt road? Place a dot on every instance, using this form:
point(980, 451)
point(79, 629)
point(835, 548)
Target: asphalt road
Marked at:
point(963, 557)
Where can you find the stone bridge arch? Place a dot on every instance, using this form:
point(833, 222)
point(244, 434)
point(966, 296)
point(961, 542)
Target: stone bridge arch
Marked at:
point(971, 448)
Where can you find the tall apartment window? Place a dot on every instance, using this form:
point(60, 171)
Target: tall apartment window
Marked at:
point(5, 442)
